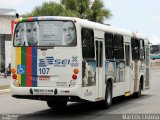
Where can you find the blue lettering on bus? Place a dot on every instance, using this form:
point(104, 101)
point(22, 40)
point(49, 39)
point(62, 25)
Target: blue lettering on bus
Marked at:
point(65, 61)
point(58, 62)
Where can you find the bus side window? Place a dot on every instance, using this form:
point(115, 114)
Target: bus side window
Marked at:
point(87, 43)
point(118, 46)
point(141, 49)
point(109, 46)
point(135, 49)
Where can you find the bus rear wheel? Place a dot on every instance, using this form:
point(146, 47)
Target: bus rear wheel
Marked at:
point(107, 102)
point(57, 104)
point(138, 94)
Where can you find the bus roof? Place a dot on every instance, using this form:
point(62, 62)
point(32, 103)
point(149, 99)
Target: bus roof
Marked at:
point(140, 35)
point(87, 23)
point(104, 27)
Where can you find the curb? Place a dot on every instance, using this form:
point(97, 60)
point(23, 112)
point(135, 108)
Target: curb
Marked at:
point(5, 91)
point(4, 87)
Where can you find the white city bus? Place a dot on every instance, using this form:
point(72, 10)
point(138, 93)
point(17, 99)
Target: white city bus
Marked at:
point(61, 59)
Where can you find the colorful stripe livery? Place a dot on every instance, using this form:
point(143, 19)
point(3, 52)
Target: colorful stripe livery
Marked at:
point(36, 18)
point(26, 65)
point(30, 19)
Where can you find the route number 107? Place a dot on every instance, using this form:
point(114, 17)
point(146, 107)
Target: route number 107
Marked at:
point(44, 70)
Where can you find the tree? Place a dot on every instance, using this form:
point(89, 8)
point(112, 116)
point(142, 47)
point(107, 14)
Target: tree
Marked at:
point(79, 7)
point(98, 13)
point(82, 9)
point(73, 8)
point(47, 9)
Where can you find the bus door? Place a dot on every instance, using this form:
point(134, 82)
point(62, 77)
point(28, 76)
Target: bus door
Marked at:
point(127, 68)
point(99, 44)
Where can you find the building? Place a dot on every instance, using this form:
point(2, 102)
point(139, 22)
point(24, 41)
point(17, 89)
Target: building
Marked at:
point(5, 38)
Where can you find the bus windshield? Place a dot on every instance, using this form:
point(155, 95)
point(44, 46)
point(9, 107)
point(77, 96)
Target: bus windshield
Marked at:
point(45, 33)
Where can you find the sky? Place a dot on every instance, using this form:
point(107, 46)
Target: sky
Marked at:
point(134, 15)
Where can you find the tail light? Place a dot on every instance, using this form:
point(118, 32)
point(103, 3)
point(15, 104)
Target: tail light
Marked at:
point(13, 70)
point(14, 76)
point(76, 71)
point(74, 76)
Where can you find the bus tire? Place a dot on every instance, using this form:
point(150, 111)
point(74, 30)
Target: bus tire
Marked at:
point(58, 105)
point(138, 94)
point(107, 102)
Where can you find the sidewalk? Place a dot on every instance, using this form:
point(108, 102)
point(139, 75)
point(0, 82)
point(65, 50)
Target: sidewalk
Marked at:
point(2, 91)
point(4, 82)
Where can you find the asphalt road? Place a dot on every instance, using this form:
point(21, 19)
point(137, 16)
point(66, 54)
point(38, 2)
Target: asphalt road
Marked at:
point(38, 110)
